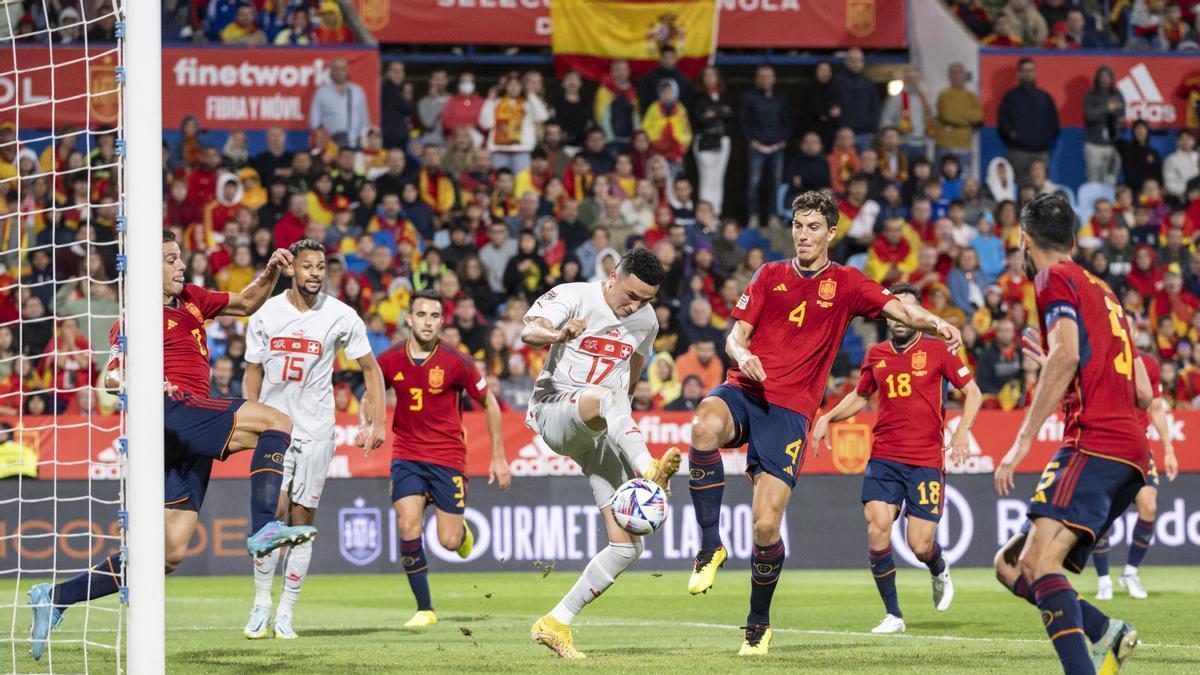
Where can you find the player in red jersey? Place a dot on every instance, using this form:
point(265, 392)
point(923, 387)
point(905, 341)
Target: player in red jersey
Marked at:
point(429, 454)
point(790, 323)
point(907, 465)
point(1090, 365)
point(198, 430)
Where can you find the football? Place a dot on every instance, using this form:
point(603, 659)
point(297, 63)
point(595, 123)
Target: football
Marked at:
point(640, 506)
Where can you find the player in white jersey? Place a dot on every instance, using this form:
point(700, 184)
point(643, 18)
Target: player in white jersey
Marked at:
point(291, 346)
point(600, 336)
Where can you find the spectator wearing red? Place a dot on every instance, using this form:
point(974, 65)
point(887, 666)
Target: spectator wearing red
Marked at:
point(893, 254)
point(578, 178)
point(1002, 34)
point(1145, 276)
point(1173, 302)
point(1015, 286)
point(510, 116)
point(331, 29)
point(1061, 38)
point(436, 187)
point(223, 209)
point(202, 181)
point(843, 160)
point(666, 123)
point(462, 109)
point(290, 228)
point(180, 212)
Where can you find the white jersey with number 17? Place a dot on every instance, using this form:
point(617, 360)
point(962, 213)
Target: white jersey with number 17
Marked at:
point(297, 351)
point(600, 355)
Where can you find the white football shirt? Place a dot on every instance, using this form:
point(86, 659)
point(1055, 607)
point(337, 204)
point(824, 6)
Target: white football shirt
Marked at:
point(600, 355)
point(297, 351)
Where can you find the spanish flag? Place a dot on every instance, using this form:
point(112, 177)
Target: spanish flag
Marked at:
point(587, 35)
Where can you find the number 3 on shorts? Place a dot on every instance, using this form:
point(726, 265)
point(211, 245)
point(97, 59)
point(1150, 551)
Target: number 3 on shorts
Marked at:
point(459, 491)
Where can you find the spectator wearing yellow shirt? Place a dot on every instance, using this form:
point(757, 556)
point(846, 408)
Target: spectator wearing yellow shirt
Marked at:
point(239, 273)
point(244, 29)
point(666, 124)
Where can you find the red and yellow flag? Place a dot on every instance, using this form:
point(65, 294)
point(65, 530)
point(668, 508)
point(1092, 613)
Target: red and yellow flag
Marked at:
point(587, 35)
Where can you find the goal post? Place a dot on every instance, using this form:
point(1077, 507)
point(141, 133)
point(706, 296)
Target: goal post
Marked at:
point(143, 208)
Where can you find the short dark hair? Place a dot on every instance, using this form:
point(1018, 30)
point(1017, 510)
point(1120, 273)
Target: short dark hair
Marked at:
point(666, 48)
point(1024, 60)
point(904, 289)
point(1050, 222)
point(426, 294)
point(821, 202)
point(306, 245)
point(644, 265)
point(168, 235)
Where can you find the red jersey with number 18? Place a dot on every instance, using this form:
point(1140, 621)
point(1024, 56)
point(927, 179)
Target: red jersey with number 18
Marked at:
point(428, 419)
point(799, 320)
point(911, 417)
point(1099, 408)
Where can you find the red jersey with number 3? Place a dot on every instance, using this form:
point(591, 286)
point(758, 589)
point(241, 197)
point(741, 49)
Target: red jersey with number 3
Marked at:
point(185, 344)
point(910, 385)
point(428, 419)
point(799, 320)
point(1099, 408)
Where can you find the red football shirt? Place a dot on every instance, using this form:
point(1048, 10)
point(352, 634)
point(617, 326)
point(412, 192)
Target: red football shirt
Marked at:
point(1099, 407)
point(185, 344)
point(428, 420)
point(1155, 374)
point(798, 324)
point(909, 426)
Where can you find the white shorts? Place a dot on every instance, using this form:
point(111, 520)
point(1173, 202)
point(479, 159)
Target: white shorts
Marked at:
point(304, 469)
point(556, 418)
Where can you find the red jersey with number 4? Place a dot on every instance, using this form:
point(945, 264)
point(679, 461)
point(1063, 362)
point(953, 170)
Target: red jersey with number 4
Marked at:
point(1099, 408)
point(1155, 374)
point(798, 324)
point(185, 344)
point(909, 426)
point(428, 420)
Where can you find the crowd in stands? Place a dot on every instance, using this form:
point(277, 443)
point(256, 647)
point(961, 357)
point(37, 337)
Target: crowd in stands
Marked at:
point(492, 198)
point(1163, 25)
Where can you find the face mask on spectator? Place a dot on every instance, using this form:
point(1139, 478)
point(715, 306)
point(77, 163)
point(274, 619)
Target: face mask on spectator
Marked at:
point(466, 87)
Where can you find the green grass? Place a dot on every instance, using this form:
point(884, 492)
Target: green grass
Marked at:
point(645, 623)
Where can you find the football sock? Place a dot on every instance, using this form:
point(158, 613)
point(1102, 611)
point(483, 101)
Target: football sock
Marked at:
point(1063, 620)
point(296, 569)
point(934, 560)
point(599, 574)
point(412, 554)
point(883, 568)
point(622, 432)
point(264, 577)
point(1021, 589)
point(1100, 555)
point(1095, 622)
point(1143, 534)
point(266, 476)
point(103, 579)
point(706, 485)
point(766, 564)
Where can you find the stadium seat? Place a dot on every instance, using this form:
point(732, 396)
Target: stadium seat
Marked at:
point(781, 205)
point(1087, 196)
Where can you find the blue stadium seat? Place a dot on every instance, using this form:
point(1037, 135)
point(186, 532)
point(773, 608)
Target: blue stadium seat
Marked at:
point(1087, 196)
point(781, 206)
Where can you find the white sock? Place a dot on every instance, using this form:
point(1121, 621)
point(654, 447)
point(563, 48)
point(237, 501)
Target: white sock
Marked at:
point(1104, 578)
point(264, 578)
point(596, 578)
point(1130, 571)
point(623, 434)
point(296, 569)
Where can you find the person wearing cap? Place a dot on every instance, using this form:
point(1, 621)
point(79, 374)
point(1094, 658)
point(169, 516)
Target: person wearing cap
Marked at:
point(332, 30)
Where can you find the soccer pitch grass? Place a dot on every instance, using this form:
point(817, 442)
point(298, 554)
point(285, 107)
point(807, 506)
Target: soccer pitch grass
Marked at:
point(646, 623)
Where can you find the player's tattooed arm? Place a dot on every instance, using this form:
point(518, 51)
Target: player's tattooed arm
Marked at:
point(371, 432)
point(850, 405)
point(253, 296)
point(960, 442)
point(1062, 362)
point(539, 332)
point(498, 468)
point(919, 318)
point(252, 381)
point(737, 346)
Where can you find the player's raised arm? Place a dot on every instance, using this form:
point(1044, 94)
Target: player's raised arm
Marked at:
point(1062, 362)
point(737, 346)
point(539, 332)
point(372, 432)
point(498, 468)
point(850, 405)
point(253, 296)
point(919, 318)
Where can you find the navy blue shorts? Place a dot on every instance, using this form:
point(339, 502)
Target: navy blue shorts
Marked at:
point(917, 489)
point(197, 432)
point(776, 436)
point(1152, 475)
point(446, 488)
point(1086, 493)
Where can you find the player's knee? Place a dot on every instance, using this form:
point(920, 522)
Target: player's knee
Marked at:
point(766, 531)
point(1030, 566)
point(629, 552)
point(174, 558)
point(920, 547)
point(451, 540)
point(704, 433)
point(279, 421)
point(1148, 510)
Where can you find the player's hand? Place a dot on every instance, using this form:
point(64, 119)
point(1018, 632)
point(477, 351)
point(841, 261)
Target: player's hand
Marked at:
point(958, 447)
point(369, 437)
point(1008, 466)
point(498, 473)
point(169, 389)
point(752, 368)
point(951, 335)
point(281, 260)
point(1171, 464)
point(1031, 346)
point(820, 436)
point(572, 329)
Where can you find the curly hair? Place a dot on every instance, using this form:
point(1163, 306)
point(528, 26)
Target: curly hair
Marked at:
point(306, 245)
point(644, 265)
point(820, 201)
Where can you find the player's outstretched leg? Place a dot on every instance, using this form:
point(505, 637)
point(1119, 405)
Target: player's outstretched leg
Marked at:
point(880, 516)
point(554, 629)
point(922, 539)
point(49, 602)
point(1143, 536)
point(1104, 584)
point(706, 485)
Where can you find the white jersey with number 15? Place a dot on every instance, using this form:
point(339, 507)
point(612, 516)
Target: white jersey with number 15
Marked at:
point(297, 351)
point(600, 355)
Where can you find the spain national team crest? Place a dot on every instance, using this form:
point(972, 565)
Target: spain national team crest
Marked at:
point(827, 289)
point(375, 13)
point(860, 17)
point(918, 361)
point(102, 78)
point(851, 446)
point(360, 533)
point(437, 377)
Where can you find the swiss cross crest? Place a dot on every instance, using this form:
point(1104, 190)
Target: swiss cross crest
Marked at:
point(827, 289)
point(626, 351)
point(437, 377)
point(313, 347)
point(918, 361)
